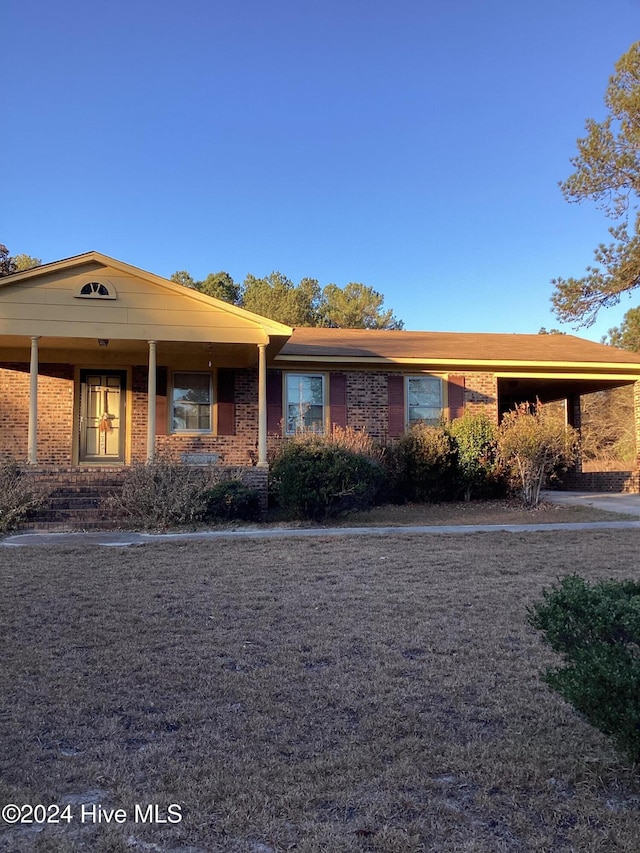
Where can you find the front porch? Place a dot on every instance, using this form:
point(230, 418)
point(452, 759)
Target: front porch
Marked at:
point(106, 409)
point(103, 364)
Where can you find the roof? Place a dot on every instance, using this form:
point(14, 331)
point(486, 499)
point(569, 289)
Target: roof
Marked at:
point(454, 347)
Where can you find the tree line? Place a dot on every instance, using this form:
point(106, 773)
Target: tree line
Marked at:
point(355, 306)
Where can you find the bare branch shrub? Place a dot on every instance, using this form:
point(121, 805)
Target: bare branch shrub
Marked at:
point(20, 494)
point(535, 445)
point(166, 493)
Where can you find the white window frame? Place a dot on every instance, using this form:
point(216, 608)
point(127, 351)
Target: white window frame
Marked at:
point(185, 431)
point(408, 407)
point(285, 398)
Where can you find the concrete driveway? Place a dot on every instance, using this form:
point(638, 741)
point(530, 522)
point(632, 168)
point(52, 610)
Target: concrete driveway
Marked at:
point(610, 501)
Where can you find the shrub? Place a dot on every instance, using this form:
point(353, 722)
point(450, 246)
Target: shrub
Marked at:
point(163, 493)
point(596, 629)
point(535, 446)
point(421, 465)
point(355, 440)
point(20, 495)
point(232, 500)
point(317, 478)
point(475, 442)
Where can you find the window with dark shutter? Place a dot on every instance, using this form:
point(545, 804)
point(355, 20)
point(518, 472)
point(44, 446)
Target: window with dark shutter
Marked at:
point(338, 400)
point(274, 402)
point(161, 401)
point(455, 391)
point(395, 391)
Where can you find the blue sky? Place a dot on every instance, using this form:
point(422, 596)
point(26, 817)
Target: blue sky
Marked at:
point(415, 146)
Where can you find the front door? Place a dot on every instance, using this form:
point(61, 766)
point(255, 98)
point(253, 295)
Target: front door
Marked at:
point(102, 416)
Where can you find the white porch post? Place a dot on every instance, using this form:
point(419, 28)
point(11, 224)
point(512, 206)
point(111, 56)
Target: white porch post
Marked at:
point(262, 404)
point(151, 403)
point(32, 431)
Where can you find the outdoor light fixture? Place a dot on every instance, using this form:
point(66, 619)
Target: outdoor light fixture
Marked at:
point(103, 342)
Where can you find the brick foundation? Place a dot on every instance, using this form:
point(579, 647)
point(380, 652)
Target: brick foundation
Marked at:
point(77, 495)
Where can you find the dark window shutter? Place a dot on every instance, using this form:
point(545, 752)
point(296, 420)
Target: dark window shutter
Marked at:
point(161, 401)
point(395, 390)
point(456, 397)
point(338, 400)
point(274, 402)
point(226, 402)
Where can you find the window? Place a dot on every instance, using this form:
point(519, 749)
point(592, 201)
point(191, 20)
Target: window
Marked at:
point(96, 290)
point(191, 402)
point(424, 399)
point(304, 401)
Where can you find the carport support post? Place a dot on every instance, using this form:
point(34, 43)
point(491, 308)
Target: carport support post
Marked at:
point(636, 419)
point(574, 419)
point(262, 405)
point(32, 430)
point(151, 403)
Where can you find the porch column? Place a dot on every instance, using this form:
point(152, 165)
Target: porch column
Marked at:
point(151, 403)
point(262, 404)
point(32, 431)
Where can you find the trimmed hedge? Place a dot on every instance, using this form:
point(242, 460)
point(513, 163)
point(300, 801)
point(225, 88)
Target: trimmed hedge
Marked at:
point(421, 466)
point(317, 479)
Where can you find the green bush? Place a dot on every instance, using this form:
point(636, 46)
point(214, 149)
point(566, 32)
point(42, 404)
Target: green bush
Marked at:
point(231, 501)
point(474, 436)
point(19, 495)
point(316, 478)
point(596, 629)
point(535, 445)
point(421, 466)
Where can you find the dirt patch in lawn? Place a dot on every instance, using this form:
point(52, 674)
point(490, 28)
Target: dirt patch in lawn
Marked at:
point(311, 695)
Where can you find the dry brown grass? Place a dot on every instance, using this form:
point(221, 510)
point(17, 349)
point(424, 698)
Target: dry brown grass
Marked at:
point(503, 511)
point(507, 511)
point(317, 695)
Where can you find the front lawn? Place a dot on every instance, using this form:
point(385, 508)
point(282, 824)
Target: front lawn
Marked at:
point(308, 695)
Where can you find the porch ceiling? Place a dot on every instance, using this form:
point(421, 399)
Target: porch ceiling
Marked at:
point(548, 390)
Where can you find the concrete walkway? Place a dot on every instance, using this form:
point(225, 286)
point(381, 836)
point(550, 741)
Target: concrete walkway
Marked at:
point(620, 503)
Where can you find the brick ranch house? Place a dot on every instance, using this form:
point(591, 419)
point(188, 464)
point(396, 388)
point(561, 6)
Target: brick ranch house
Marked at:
point(103, 364)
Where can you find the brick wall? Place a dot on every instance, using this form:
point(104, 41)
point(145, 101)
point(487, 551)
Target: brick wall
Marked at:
point(602, 481)
point(55, 412)
point(367, 403)
point(481, 394)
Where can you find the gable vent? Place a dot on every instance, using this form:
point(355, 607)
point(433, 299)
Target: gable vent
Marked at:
point(96, 290)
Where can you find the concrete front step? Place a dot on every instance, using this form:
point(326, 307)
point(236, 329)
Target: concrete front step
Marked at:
point(71, 521)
